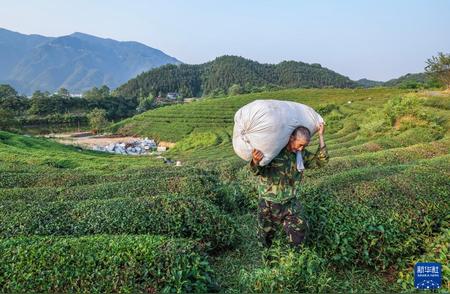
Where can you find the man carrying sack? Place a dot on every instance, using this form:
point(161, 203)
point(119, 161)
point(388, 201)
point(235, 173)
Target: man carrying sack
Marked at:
point(277, 186)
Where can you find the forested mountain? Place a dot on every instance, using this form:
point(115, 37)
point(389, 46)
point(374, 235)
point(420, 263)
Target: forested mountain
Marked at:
point(231, 75)
point(76, 62)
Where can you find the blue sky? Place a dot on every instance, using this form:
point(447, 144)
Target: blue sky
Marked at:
point(374, 39)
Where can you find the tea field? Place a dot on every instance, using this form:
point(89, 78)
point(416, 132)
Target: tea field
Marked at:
point(78, 220)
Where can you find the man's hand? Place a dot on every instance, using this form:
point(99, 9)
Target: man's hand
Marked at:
point(321, 129)
point(257, 156)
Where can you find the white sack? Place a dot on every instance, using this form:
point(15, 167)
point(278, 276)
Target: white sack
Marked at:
point(267, 124)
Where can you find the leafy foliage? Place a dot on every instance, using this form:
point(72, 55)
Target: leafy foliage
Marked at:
point(170, 215)
point(288, 271)
point(97, 119)
point(439, 67)
point(103, 264)
point(60, 107)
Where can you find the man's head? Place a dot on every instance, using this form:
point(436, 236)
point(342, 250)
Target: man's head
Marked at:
point(299, 139)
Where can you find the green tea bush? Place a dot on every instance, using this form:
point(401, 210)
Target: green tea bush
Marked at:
point(288, 271)
point(343, 139)
point(103, 264)
point(344, 145)
point(37, 177)
point(205, 186)
point(348, 126)
point(382, 158)
point(167, 215)
point(436, 250)
point(400, 106)
point(419, 135)
point(197, 140)
point(196, 186)
point(401, 114)
point(326, 108)
point(383, 142)
point(237, 189)
point(380, 215)
point(60, 163)
point(437, 102)
point(373, 122)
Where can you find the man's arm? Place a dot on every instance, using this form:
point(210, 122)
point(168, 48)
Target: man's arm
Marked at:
point(254, 166)
point(317, 159)
point(320, 157)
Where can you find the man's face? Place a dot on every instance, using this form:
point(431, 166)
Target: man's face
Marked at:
point(297, 144)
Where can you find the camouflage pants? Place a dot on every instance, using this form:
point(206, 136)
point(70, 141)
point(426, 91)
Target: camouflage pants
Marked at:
point(271, 214)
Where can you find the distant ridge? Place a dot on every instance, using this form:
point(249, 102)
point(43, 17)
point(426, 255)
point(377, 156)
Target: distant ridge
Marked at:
point(77, 62)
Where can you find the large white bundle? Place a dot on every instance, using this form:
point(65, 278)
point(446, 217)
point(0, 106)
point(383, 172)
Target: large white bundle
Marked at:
point(267, 124)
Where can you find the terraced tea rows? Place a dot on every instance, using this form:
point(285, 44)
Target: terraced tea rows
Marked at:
point(380, 203)
point(80, 197)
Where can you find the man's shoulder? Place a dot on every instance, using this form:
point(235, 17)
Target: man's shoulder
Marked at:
point(283, 156)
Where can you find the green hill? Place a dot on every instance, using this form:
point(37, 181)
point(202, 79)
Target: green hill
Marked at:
point(77, 220)
point(219, 75)
point(411, 77)
point(414, 81)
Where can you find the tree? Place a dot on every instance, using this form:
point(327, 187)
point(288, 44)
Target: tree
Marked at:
point(43, 104)
point(97, 119)
point(15, 104)
point(11, 101)
point(104, 91)
point(185, 91)
point(218, 92)
point(38, 94)
point(96, 93)
point(7, 119)
point(235, 89)
point(439, 67)
point(39, 104)
point(7, 91)
point(145, 103)
point(63, 92)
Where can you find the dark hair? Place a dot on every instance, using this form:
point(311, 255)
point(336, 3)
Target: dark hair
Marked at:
point(301, 132)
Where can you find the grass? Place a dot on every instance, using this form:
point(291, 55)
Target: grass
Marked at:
point(380, 205)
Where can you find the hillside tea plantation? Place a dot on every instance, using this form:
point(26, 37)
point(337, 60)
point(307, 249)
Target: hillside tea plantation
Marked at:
point(74, 220)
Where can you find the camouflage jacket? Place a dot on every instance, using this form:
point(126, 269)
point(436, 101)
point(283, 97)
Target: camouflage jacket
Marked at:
point(278, 180)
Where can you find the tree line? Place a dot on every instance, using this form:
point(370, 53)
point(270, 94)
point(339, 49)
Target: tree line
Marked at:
point(61, 107)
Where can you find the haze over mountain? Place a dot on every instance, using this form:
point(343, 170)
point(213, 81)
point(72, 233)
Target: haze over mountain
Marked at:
point(76, 62)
